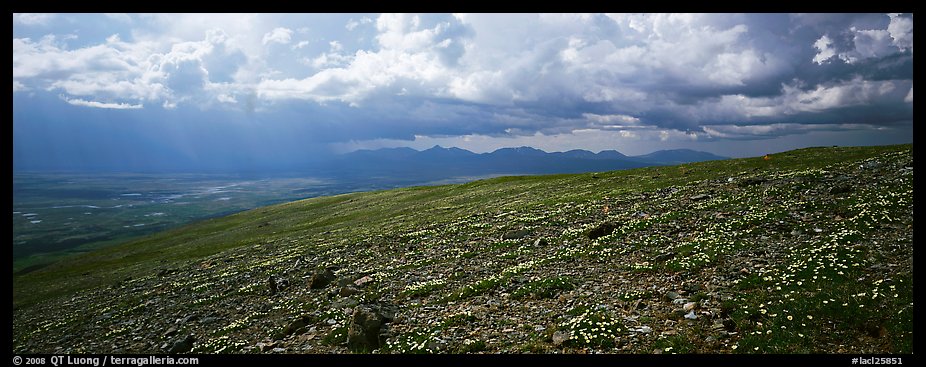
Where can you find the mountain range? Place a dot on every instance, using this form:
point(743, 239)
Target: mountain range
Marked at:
point(439, 162)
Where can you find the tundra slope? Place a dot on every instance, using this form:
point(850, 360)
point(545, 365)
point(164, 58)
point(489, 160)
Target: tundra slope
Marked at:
point(809, 251)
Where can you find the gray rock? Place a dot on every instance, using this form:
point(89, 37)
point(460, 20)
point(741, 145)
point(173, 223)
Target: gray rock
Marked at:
point(691, 315)
point(189, 318)
point(209, 320)
point(363, 330)
point(517, 234)
point(840, 189)
point(670, 295)
point(363, 281)
point(690, 306)
point(601, 230)
point(170, 332)
point(560, 337)
point(182, 345)
point(700, 197)
point(278, 350)
point(321, 278)
point(664, 257)
point(348, 291)
point(297, 326)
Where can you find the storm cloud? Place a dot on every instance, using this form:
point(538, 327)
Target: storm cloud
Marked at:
point(346, 79)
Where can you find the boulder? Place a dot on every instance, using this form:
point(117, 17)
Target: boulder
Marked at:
point(321, 278)
point(364, 329)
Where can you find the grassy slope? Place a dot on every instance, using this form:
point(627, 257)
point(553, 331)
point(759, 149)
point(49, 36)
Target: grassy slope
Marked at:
point(344, 219)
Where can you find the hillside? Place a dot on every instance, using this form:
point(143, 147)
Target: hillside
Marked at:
point(409, 166)
point(809, 251)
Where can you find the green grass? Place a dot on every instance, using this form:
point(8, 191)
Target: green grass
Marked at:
point(420, 231)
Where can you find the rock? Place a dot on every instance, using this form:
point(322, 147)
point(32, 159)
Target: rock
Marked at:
point(541, 242)
point(182, 345)
point(209, 320)
point(263, 347)
point(644, 329)
point(664, 257)
point(690, 306)
point(297, 326)
point(170, 332)
point(752, 181)
point(348, 291)
point(189, 318)
point(278, 350)
point(679, 301)
point(670, 295)
point(363, 281)
point(272, 285)
point(601, 230)
point(363, 330)
point(321, 278)
point(840, 189)
point(514, 235)
point(700, 197)
point(344, 302)
point(560, 337)
point(691, 315)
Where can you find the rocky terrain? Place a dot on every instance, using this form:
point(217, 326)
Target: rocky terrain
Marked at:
point(808, 251)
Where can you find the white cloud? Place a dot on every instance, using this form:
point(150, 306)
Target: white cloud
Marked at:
point(301, 44)
point(901, 30)
point(121, 17)
point(909, 97)
point(95, 104)
point(33, 18)
point(278, 35)
point(352, 24)
point(18, 87)
point(824, 48)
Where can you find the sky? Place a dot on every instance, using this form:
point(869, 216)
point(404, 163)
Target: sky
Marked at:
point(230, 91)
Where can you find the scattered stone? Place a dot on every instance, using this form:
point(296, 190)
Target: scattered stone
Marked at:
point(664, 257)
point(182, 345)
point(752, 181)
point(690, 306)
point(209, 320)
point(278, 350)
point(560, 337)
point(263, 347)
point(670, 295)
point(644, 329)
point(321, 278)
point(348, 291)
point(189, 318)
point(601, 230)
point(541, 242)
point(272, 285)
point(297, 326)
point(363, 281)
point(363, 330)
point(691, 315)
point(170, 332)
point(840, 189)
point(514, 235)
point(679, 301)
point(700, 197)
